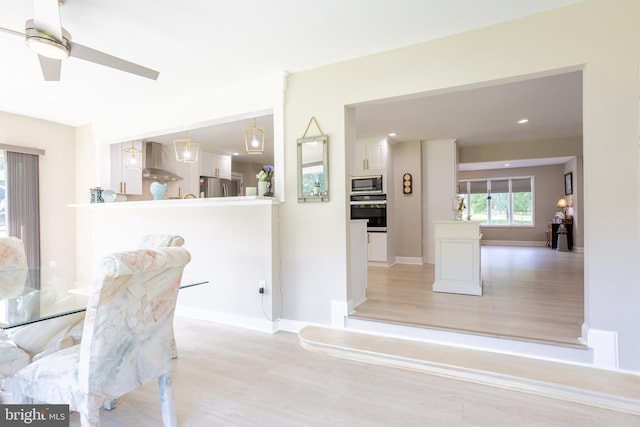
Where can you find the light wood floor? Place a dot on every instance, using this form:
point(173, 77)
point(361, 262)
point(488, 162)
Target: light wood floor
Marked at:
point(234, 377)
point(534, 294)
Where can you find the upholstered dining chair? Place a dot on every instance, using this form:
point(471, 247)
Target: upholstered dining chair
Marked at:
point(39, 338)
point(125, 342)
point(13, 266)
point(155, 241)
point(13, 275)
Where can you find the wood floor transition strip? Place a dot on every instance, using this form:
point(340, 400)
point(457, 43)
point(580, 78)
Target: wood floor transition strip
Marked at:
point(580, 384)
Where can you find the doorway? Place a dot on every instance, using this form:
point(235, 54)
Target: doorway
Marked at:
point(468, 115)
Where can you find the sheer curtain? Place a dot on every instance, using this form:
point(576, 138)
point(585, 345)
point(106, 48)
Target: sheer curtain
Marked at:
point(23, 206)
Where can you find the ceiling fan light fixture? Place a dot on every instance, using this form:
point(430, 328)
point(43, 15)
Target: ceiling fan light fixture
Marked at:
point(45, 44)
point(254, 138)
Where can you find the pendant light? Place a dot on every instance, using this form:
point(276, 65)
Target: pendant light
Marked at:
point(186, 150)
point(132, 157)
point(254, 138)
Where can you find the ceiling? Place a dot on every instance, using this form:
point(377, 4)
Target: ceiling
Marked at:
point(483, 115)
point(200, 42)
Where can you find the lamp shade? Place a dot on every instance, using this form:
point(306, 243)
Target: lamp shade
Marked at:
point(562, 203)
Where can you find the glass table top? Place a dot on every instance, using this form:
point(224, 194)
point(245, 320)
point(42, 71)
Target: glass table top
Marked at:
point(46, 293)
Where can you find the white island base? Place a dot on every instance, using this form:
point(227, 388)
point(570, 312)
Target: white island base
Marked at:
point(457, 268)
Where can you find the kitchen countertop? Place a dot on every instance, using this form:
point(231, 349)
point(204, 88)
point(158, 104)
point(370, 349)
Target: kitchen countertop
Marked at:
point(211, 201)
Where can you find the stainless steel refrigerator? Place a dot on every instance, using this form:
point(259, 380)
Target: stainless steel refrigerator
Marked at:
point(216, 187)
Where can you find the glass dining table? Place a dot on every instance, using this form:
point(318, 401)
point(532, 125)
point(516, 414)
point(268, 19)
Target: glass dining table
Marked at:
point(36, 295)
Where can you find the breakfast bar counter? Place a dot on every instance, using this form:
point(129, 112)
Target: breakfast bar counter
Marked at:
point(233, 242)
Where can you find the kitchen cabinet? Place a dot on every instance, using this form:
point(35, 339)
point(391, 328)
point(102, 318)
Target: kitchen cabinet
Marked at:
point(215, 165)
point(123, 179)
point(458, 257)
point(377, 247)
point(370, 157)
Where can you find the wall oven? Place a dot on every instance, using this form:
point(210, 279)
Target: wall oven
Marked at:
point(366, 184)
point(373, 208)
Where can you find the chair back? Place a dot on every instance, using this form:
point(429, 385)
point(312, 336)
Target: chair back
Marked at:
point(13, 267)
point(126, 340)
point(154, 241)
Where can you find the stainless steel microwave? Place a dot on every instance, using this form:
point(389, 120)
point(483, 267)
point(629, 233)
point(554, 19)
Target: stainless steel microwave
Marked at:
point(366, 184)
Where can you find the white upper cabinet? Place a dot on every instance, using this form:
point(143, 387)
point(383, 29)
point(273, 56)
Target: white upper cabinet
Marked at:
point(123, 179)
point(370, 157)
point(215, 165)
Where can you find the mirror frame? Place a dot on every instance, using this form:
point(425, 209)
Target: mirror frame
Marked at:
point(324, 196)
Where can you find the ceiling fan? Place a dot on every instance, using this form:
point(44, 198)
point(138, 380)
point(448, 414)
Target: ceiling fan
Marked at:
point(44, 35)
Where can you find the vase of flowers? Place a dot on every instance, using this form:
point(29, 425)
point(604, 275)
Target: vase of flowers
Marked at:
point(265, 180)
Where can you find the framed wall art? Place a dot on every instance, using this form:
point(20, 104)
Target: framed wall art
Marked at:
point(568, 183)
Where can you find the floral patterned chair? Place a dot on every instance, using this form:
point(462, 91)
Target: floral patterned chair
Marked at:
point(13, 275)
point(155, 241)
point(126, 339)
point(37, 339)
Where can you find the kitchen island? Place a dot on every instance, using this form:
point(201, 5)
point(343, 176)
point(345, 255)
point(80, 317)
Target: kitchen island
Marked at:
point(233, 243)
point(457, 268)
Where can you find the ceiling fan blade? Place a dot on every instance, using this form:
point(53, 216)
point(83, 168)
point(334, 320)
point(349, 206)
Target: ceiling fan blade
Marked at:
point(15, 33)
point(86, 53)
point(46, 17)
point(50, 68)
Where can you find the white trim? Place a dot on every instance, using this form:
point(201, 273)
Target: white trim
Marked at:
point(605, 347)
point(408, 260)
point(339, 311)
point(351, 306)
point(533, 243)
point(293, 326)
point(262, 325)
point(542, 351)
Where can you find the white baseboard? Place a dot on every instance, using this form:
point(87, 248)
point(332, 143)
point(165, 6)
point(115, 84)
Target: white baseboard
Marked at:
point(533, 243)
point(262, 325)
point(408, 260)
point(339, 312)
point(605, 347)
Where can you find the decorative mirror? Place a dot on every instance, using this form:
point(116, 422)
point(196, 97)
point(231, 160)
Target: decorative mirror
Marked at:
point(313, 169)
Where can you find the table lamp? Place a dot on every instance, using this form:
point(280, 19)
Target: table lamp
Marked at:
point(562, 204)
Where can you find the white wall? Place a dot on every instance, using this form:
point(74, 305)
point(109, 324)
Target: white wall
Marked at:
point(57, 221)
point(598, 36)
point(231, 246)
point(408, 207)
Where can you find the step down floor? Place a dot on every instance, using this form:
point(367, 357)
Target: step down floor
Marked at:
point(580, 384)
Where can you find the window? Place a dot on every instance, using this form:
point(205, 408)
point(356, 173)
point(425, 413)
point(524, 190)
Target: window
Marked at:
point(499, 201)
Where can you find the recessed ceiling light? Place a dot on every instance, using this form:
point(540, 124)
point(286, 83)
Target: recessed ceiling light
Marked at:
point(523, 121)
point(393, 133)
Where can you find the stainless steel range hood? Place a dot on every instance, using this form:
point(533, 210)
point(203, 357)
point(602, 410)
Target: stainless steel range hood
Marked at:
point(155, 163)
